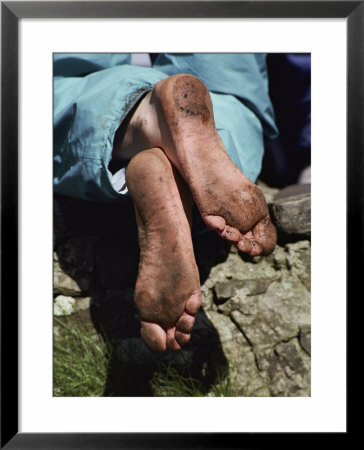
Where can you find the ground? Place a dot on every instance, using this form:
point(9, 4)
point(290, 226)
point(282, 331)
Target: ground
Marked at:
point(255, 318)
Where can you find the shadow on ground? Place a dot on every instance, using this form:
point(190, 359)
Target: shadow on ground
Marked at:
point(96, 245)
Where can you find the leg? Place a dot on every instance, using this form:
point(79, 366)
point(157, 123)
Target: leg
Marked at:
point(177, 117)
point(167, 292)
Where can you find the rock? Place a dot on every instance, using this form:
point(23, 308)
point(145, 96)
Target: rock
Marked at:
point(224, 291)
point(305, 338)
point(247, 378)
point(237, 270)
point(291, 210)
point(255, 318)
point(62, 283)
point(280, 258)
point(269, 192)
point(299, 261)
point(63, 306)
point(287, 367)
point(293, 191)
point(276, 315)
point(268, 302)
point(82, 304)
point(305, 176)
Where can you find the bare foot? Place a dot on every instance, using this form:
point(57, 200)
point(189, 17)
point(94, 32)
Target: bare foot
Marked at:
point(167, 292)
point(228, 201)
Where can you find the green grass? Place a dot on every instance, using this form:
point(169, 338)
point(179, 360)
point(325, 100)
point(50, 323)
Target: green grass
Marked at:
point(168, 382)
point(80, 359)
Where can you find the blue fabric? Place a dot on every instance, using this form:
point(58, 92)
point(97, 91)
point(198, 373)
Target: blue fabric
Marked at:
point(87, 112)
point(81, 64)
point(88, 109)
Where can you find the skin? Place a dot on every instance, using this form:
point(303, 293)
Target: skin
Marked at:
point(171, 136)
point(167, 292)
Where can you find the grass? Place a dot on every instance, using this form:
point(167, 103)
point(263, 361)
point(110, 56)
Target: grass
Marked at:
point(80, 359)
point(80, 366)
point(168, 382)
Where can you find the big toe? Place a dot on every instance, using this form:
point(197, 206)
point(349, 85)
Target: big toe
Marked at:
point(216, 223)
point(194, 302)
point(154, 336)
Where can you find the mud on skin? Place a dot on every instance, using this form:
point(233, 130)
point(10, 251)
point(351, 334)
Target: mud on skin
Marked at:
point(167, 292)
point(190, 98)
point(180, 130)
point(228, 201)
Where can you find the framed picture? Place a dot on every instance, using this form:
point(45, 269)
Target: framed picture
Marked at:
point(31, 32)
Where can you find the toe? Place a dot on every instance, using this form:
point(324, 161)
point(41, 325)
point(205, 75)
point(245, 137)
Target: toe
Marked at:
point(231, 234)
point(182, 338)
point(244, 245)
point(154, 336)
point(179, 335)
point(183, 328)
point(216, 223)
point(247, 244)
point(256, 249)
point(185, 323)
point(265, 235)
point(172, 343)
point(194, 302)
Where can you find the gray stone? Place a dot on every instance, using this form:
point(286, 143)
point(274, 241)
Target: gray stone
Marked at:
point(255, 287)
point(82, 304)
point(244, 373)
point(305, 338)
point(256, 311)
point(224, 291)
point(64, 284)
point(287, 367)
point(269, 192)
point(289, 355)
point(274, 316)
point(291, 210)
point(261, 310)
point(292, 191)
point(299, 261)
point(280, 258)
point(228, 335)
point(237, 269)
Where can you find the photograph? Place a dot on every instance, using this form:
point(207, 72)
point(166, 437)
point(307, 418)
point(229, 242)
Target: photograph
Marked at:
point(182, 224)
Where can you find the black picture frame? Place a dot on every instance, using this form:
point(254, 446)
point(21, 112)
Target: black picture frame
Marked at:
point(11, 12)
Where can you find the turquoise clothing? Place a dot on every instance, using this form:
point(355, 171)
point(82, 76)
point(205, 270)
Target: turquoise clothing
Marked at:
point(93, 93)
point(243, 75)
